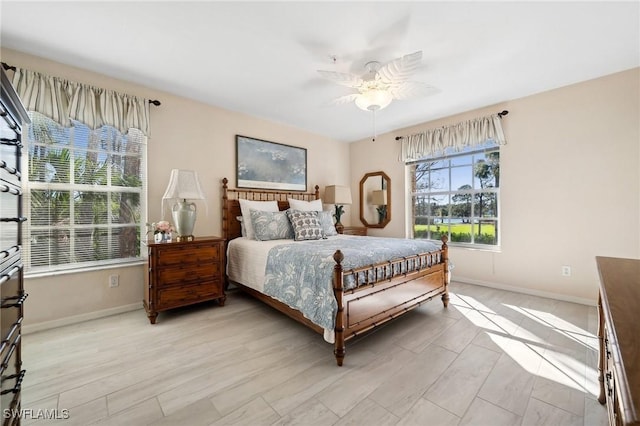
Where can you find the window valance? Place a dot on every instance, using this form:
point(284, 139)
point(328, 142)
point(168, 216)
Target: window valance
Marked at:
point(457, 136)
point(62, 100)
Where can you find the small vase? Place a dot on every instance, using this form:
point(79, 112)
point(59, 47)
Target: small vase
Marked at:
point(158, 237)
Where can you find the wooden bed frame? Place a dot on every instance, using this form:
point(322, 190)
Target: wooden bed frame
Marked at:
point(367, 306)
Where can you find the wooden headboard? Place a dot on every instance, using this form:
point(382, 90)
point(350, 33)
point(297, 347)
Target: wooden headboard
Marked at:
point(231, 206)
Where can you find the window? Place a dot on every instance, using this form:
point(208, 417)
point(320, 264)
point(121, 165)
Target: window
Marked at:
point(85, 198)
point(457, 195)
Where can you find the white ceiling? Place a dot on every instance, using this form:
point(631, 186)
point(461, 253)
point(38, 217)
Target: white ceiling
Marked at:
point(261, 58)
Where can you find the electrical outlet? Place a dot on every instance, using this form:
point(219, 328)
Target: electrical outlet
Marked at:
point(566, 271)
point(114, 280)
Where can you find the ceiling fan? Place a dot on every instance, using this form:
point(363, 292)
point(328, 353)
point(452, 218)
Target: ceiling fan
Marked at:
point(380, 84)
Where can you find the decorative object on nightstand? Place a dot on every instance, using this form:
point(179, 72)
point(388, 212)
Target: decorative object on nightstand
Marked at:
point(183, 273)
point(183, 185)
point(379, 198)
point(161, 231)
point(338, 195)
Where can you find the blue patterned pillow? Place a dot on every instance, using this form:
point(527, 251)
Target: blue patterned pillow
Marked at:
point(326, 219)
point(271, 225)
point(306, 225)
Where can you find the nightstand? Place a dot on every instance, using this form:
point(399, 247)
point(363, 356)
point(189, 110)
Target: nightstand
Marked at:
point(354, 230)
point(183, 273)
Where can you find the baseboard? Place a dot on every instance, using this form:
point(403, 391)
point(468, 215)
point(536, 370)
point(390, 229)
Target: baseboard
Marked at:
point(528, 291)
point(32, 328)
point(46, 325)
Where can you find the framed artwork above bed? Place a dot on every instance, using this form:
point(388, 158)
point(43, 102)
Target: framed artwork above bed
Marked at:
point(262, 164)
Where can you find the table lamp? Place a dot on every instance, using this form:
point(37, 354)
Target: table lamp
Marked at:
point(183, 185)
point(338, 195)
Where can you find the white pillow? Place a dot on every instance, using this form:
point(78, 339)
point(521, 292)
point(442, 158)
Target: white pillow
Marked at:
point(305, 206)
point(247, 205)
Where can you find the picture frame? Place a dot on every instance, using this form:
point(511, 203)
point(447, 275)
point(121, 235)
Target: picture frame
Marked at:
point(263, 164)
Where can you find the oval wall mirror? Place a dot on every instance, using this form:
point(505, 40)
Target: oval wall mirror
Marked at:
point(375, 200)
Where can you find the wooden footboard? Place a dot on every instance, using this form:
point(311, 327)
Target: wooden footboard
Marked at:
point(397, 287)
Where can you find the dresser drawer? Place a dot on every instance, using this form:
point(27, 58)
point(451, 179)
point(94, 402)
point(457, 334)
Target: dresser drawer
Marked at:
point(12, 297)
point(189, 254)
point(10, 256)
point(188, 294)
point(188, 273)
point(9, 156)
point(10, 215)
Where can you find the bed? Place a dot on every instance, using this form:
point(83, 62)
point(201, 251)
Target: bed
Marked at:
point(363, 296)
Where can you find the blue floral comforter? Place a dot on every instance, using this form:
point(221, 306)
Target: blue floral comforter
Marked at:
point(300, 274)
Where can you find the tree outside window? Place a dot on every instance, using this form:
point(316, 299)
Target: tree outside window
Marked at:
point(458, 195)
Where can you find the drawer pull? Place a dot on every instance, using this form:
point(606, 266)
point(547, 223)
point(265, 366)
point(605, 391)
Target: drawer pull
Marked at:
point(19, 301)
point(19, 377)
point(8, 252)
point(5, 277)
point(15, 328)
point(12, 191)
point(12, 142)
point(20, 219)
point(11, 170)
point(7, 358)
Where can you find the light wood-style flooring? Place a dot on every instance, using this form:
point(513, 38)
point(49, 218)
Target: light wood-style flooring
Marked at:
point(492, 358)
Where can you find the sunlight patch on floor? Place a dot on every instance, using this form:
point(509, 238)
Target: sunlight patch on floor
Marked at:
point(534, 342)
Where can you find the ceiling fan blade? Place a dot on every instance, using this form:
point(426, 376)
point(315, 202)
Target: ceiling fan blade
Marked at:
point(400, 69)
point(346, 99)
point(412, 90)
point(349, 80)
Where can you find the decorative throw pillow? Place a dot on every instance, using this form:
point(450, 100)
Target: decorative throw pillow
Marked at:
point(271, 225)
point(306, 225)
point(305, 206)
point(247, 205)
point(326, 219)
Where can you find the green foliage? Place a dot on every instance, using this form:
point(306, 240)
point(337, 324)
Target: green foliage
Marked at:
point(460, 233)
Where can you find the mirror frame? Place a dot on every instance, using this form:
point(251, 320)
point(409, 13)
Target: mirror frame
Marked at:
point(363, 198)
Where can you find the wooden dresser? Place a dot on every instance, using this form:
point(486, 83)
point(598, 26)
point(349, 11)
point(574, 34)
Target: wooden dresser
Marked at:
point(619, 339)
point(354, 230)
point(12, 295)
point(184, 273)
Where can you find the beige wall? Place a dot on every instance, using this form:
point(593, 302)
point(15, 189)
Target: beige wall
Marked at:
point(184, 134)
point(570, 187)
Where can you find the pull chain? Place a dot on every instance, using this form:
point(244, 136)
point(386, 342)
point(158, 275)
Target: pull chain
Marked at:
point(374, 126)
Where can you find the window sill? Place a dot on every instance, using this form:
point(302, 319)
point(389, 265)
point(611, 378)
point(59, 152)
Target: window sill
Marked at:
point(475, 247)
point(57, 272)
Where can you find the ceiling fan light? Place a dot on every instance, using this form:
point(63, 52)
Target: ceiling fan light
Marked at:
point(373, 99)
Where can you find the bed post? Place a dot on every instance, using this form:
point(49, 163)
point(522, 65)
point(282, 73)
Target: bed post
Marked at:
point(445, 261)
point(225, 196)
point(317, 193)
point(338, 291)
point(225, 230)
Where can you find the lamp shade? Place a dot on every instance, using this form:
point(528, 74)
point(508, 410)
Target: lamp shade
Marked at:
point(336, 194)
point(183, 184)
point(379, 197)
